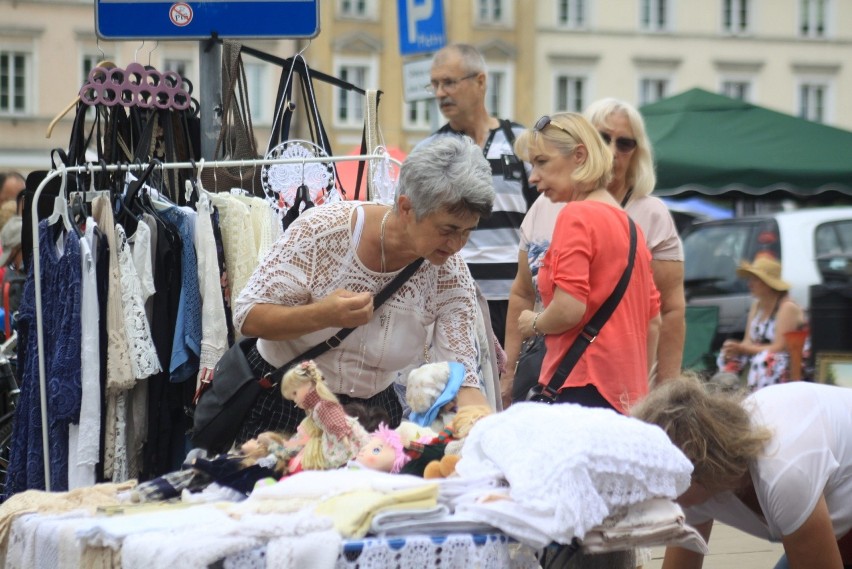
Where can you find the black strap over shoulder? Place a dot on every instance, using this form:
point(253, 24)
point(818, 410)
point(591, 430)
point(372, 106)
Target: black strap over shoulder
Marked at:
point(274, 377)
point(530, 194)
point(593, 327)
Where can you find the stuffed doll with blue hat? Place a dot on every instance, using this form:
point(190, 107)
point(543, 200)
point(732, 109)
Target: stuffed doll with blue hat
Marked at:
point(431, 392)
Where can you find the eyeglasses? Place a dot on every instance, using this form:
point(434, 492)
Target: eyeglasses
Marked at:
point(622, 143)
point(545, 121)
point(448, 85)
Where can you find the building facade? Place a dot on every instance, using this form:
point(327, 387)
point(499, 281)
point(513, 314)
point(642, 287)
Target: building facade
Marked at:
point(543, 56)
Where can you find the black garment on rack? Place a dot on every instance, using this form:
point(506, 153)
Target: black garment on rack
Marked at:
point(161, 416)
point(101, 253)
point(223, 274)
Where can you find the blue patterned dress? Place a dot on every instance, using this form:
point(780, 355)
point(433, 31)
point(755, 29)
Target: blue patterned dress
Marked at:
point(60, 292)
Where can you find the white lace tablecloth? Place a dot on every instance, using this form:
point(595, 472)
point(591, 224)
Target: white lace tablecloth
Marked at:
point(461, 551)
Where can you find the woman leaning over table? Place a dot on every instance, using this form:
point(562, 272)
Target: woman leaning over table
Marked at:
point(586, 258)
point(776, 465)
point(323, 273)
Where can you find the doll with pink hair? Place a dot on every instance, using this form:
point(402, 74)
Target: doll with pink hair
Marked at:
point(384, 452)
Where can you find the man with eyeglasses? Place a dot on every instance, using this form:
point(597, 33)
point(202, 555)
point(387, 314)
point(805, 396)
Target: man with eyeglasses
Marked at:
point(458, 82)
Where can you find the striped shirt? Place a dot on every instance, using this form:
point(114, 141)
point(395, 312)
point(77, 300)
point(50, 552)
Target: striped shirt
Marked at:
point(491, 252)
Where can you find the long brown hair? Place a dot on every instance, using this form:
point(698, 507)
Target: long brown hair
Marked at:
point(711, 428)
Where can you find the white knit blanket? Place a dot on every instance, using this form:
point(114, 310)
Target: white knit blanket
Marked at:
point(573, 466)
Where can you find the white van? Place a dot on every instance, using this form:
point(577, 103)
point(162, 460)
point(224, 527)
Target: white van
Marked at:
point(714, 249)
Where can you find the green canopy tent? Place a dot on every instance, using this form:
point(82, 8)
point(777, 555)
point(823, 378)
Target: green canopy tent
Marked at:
point(710, 145)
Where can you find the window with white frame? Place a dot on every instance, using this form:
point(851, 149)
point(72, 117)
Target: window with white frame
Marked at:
point(493, 11)
point(654, 15)
point(417, 115)
point(356, 8)
point(257, 84)
point(89, 62)
point(737, 89)
point(813, 100)
point(570, 92)
point(813, 18)
point(16, 78)
point(498, 95)
point(182, 67)
point(653, 89)
point(736, 16)
point(571, 13)
point(349, 105)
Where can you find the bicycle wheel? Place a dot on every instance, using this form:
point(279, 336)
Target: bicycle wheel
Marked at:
point(5, 450)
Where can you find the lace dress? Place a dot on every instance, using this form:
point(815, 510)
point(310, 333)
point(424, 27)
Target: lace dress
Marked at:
point(60, 293)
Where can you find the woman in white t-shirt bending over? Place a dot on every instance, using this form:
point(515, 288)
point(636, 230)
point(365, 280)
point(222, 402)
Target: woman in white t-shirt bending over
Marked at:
point(777, 465)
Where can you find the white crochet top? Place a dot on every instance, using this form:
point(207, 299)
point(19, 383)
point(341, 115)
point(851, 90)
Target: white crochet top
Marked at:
point(316, 256)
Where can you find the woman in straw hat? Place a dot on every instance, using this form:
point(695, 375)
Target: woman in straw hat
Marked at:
point(772, 315)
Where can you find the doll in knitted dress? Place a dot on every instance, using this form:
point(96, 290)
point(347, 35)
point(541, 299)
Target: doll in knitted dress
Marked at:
point(331, 437)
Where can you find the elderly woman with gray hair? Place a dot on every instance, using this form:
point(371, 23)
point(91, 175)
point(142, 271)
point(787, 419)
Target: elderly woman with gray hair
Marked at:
point(323, 273)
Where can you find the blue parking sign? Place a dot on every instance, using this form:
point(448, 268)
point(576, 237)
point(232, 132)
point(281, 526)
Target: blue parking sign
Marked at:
point(421, 26)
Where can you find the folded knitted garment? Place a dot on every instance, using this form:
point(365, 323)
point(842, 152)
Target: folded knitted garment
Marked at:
point(573, 466)
point(352, 512)
point(653, 522)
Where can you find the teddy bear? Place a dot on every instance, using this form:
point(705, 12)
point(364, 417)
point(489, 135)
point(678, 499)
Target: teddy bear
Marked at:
point(462, 423)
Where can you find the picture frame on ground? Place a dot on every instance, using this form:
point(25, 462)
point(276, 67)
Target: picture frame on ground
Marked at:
point(834, 368)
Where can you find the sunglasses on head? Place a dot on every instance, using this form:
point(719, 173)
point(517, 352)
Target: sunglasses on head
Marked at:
point(622, 143)
point(545, 121)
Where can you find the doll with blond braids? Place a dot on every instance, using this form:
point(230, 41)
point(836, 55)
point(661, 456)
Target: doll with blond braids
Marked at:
point(331, 437)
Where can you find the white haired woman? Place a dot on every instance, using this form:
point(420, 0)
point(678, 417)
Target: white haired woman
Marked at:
point(322, 274)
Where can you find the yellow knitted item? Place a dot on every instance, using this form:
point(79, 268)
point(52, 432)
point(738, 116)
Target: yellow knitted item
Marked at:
point(353, 512)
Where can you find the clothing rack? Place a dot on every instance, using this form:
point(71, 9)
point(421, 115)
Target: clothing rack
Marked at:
point(93, 167)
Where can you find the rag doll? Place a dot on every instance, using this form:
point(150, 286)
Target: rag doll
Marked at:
point(229, 476)
point(431, 391)
point(331, 437)
point(384, 452)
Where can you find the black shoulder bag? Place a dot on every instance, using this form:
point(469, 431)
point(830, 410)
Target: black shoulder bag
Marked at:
point(547, 393)
point(234, 388)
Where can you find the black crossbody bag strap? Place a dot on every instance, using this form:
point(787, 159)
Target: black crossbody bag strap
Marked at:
point(272, 378)
point(530, 194)
point(593, 327)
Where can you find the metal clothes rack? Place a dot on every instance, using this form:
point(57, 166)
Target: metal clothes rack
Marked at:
point(92, 168)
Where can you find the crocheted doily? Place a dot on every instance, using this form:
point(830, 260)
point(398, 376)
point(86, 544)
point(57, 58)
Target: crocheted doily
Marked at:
point(280, 181)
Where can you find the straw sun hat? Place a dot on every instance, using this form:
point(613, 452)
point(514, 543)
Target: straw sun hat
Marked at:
point(766, 269)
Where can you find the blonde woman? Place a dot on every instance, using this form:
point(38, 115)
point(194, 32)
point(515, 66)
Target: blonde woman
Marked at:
point(586, 257)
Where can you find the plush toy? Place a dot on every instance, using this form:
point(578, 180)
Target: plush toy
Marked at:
point(331, 437)
point(383, 452)
point(431, 391)
point(457, 430)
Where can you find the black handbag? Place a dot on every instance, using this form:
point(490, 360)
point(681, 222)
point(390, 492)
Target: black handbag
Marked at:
point(547, 393)
point(222, 408)
point(528, 368)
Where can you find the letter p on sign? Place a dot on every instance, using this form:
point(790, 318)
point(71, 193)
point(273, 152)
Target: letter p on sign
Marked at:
point(421, 26)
